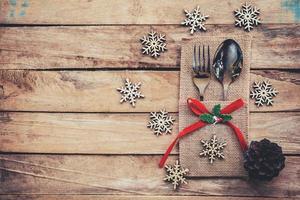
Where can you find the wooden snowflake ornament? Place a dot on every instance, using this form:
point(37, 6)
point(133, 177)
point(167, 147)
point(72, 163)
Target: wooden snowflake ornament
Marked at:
point(212, 149)
point(263, 93)
point(195, 20)
point(176, 174)
point(247, 17)
point(153, 44)
point(130, 92)
point(161, 122)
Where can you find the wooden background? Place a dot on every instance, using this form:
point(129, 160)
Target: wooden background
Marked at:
point(63, 133)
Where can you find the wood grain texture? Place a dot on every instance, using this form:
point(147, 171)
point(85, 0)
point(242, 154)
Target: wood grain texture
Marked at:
point(125, 197)
point(135, 12)
point(120, 133)
point(139, 175)
point(273, 46)
point(95, 91)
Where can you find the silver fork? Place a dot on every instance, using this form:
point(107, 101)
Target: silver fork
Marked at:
point(201, 68)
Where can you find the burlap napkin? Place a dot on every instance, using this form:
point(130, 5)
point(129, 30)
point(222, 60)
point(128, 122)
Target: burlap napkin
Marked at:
point(190, 146)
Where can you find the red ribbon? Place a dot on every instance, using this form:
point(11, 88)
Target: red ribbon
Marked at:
point(198, 108)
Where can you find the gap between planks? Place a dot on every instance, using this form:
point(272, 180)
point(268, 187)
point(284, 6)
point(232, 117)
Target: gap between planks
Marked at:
point(123, 197)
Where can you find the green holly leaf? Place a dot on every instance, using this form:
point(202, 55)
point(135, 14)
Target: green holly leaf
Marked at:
point(226, 118)
point(216, 110)
point(207, 118)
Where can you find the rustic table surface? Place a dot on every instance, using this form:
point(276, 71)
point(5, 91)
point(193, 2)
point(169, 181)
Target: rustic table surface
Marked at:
point(63, 132)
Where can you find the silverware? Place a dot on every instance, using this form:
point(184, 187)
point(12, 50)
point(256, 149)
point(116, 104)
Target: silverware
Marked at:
point(227, 64)
point(201, 68)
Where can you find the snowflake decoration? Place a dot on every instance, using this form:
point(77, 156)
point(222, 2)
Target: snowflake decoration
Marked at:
point(247, 17)
point(213, 149)
point(195, 20)
point(130, 92)
point(160, 122)
point(153, 44)
point(175, 174)
point(263, 93)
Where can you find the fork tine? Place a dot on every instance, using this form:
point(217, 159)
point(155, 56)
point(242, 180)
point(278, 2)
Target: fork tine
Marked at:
point(208, 57)
point(194, 60)
point(203, 56)
point(199, 58)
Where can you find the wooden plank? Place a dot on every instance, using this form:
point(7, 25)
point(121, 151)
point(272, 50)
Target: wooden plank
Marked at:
point(95, 91)
point(126, 197)
point(273, 46)
point(136, 11)
point(120, 133)
point(136, 175)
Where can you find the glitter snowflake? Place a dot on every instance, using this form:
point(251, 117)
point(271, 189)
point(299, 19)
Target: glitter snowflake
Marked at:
point(130, 92)
point(153, 44)
point(263, 93)
point(213, 149)
point(160, 122)
point(175, 174)
point(247, 17)
point(195, 20)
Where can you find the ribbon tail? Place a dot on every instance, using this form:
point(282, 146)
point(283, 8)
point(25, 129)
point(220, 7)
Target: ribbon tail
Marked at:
point(184, 132)
point(167, 153)
point(238, 133)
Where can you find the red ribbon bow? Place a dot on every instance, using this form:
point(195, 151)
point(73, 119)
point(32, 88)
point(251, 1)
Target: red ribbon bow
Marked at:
point(198, 108)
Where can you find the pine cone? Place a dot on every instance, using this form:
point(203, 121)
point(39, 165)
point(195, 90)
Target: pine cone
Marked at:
point(263, 160)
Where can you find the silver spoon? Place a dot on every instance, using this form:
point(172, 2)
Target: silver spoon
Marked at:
point(227, 64)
